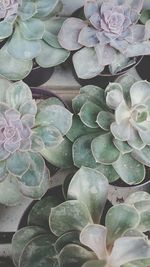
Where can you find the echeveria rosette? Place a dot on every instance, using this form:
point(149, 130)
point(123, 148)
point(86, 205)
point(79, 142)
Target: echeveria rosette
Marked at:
point(30, 33)
point(76, 237)
point(110, 130)
point(26, 129)
point(109, 36)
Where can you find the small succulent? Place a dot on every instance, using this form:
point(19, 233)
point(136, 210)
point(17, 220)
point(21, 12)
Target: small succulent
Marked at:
point(76, 237)
point(108, 36)
point(111, 129)
point(29, 31)
point(26, 129)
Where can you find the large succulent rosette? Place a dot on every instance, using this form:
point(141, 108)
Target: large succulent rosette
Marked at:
point(111, 129)
point(69, 233)
point(109, 36)
point(29, 30)
point(26, 129)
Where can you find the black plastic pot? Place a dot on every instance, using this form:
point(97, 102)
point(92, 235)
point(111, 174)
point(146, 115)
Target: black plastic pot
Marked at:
point(38, 76)
point(143, 68)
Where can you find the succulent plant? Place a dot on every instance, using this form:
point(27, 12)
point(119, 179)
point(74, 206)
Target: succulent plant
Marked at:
point(26, 129)
point(76, 237)
point(29, 31)
point(110, 130)
point(108, 36)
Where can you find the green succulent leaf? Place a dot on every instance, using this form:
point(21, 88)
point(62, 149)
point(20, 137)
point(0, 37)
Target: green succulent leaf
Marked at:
point(104, 150)
point(39, 251)
point(50, 56)
point(34, 174)
point(39, 214)
point(123, 147)
point(119, 219)
point(108, 171)
point(46, 7)
point(3, 170)
point(138, 263)
point(130, 170)
point(104, 120)
point(27, 11)
point(81, 151)
point(49, 102)
point(21, 48)
point(17, 69)
point(74, 255)
point(32, 29)
point(66, 239)
point(18, 163)
point(50, 135)
point(88, 114)
point(6, 29)
point(37, 191)
point(145, 16)
point(60, 157)
point(142, 155)
point(21, 238)
point(90, 187)
point(71, 215)
point(10, 194)
point(128, 249)
point(56, 116)
point(144, 225)
point(18, 94)
point(79, 129)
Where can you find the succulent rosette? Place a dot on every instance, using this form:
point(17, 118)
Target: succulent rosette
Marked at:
point(26, 129)
point(29, 30)
point(109, 36)
point(69, 232)
point(111, 129)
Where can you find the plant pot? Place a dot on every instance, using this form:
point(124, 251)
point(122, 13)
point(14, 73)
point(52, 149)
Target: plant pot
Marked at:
point(143, 68)
point(38, 76)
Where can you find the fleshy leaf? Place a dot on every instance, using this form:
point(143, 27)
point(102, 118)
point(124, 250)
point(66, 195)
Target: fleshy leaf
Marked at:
point(50, 56)
point(68, 216)
point(70, 28)
point(86, 63)
point(88, 114)
point(130, 170)
point(127, 249)
point(21, 238)
point(94, 237)
point(38, 215)
point(81, 151)
point(66, 239)
point(104, 150)
point(90, 187)
point(104, 120)
point(119, 219)
point(56, 116)
point(9, 191)
point(60, 157)
point(39, 251)
point(18, 163)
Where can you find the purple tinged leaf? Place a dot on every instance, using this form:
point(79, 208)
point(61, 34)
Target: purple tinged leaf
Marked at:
point(11, 147)
point(25, 144)
point(90, 8)
point(69, 33)
point(105, 54)
point(3, 153)
point(28, 120)
point(12, 115)
point(96, 21)
point(87, 37)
